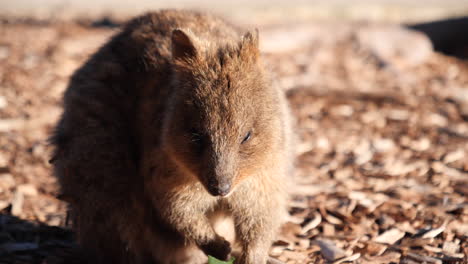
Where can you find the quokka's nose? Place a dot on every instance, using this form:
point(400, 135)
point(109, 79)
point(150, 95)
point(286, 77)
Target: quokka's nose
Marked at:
point(224, 188)
point(221, 188)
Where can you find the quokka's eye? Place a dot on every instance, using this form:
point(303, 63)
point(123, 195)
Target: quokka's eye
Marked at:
point(195, 135)
point(197, 140)
point(247, 137)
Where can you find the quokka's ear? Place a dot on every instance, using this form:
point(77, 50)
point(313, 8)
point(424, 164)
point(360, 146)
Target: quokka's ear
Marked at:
point(250, 44)
point(183, 46)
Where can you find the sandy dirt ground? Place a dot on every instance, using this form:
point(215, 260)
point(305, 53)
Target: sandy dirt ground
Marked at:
point(382, 167)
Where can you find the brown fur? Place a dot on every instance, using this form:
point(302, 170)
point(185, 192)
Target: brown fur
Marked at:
point(152, 139)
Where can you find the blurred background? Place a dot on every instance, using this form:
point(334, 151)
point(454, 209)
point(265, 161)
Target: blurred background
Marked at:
point(258, 11)
point(379, 89)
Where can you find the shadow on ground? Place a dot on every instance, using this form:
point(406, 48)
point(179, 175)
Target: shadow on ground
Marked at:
point(448, 36)
point(28, 242)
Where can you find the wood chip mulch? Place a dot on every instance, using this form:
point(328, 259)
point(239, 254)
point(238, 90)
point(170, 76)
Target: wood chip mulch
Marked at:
point(382, 124)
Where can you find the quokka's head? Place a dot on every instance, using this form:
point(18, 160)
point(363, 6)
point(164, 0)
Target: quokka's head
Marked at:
point(224, 119)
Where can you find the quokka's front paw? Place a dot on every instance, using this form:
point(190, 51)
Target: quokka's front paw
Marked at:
point(219, 248)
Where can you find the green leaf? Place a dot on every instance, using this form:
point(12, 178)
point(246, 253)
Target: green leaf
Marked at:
point(213, 260)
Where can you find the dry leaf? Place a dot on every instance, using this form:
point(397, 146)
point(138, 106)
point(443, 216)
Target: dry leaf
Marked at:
point(313, 223)
point(390, 236)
